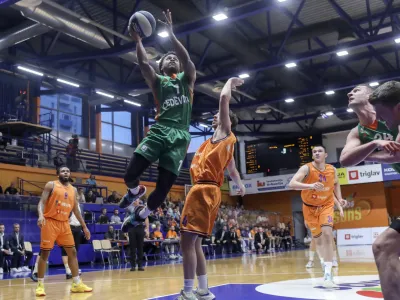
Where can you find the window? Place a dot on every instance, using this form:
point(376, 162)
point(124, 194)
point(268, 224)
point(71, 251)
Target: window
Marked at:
point(66, 111)
point(116, 127)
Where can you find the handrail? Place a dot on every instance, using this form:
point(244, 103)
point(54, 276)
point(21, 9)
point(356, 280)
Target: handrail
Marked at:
point(21, 182)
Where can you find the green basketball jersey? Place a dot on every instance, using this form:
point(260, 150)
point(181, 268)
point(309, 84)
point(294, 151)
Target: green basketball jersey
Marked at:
point(174, 100)
point(378, 131)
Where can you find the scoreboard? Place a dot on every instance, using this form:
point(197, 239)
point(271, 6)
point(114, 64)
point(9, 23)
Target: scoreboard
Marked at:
point(274, 156)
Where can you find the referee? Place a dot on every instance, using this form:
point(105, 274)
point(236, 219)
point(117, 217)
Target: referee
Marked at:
point(76, 229)
point(137, 227)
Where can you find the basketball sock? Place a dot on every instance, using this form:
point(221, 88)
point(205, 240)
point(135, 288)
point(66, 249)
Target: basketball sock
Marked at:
point(67, 269)
point(334, 255)
point(35, 269)
point(312, 254)
point(188, 285)
point(203, 282)
point(135, 190)
point(40, 280)
point(328, 267)
point(322, 260)
point(76, 279)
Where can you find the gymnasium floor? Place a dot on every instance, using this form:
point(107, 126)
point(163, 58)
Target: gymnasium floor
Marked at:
point(278, 276)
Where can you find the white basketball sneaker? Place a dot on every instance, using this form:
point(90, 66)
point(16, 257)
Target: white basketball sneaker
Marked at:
point(328, 281)
point(204, 294)
point(310, 264)
point(186, 296)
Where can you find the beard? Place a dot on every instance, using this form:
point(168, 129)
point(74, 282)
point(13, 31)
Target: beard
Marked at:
point(63, 179)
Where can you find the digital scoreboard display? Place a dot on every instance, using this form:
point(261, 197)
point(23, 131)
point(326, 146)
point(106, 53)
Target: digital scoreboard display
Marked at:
point(274, 156)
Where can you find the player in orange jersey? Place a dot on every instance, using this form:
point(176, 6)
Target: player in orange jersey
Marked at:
point(203, 201)
point(319, 184)
point(59, 198)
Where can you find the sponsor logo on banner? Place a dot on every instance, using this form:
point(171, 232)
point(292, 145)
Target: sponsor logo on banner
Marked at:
point(274, 183)
point(347, 236)
point(342, 175)
point(389, 173)
point(364, 174)
point(358, 236)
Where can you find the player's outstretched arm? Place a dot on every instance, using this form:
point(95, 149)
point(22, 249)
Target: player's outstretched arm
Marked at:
point(224, 99)
point(147, 70)
point(78, 215)
point(48, 188)
point(183, 56)
point(297, 181)
point(234, 174)
point(354, 152)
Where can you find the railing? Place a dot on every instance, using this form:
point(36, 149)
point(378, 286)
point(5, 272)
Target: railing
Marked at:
point(22, 182)
point(48, 122)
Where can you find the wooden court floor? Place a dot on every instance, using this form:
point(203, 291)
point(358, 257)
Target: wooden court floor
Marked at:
point(279, 276)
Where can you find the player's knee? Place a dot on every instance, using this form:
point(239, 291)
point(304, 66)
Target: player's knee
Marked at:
point(44, 254)
point(386, 244)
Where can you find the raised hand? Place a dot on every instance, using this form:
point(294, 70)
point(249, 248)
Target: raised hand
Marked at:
point(168, 20)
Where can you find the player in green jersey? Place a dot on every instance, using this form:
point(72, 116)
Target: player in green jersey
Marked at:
point(168, 140)
point(371, 135)
point(386, 248)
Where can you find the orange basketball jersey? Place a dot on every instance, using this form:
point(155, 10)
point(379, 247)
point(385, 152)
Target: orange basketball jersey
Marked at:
point(327, 178)
point(60, 203)
point(211, 160)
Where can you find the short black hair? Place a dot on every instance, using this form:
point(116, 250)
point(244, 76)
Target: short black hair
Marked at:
point(162, 60)
point(319, 145)
point(59, 169)
point(1, 224)
point(387, 94)
point(234, 119)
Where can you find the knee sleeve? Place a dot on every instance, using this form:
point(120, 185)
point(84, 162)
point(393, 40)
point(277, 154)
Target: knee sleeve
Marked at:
point(396, 225)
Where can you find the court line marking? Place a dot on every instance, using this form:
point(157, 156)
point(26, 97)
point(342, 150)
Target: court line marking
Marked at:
point(169, 277)
point(178, 292)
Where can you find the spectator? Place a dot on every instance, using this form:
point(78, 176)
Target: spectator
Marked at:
point(222, 240)
point(90, 197)
point(157, 235)
point(261, 241)
point(110, 234)
point(273, 238)
point(58, 161)
point(11, 190)
point(103, 218)
point(234, 241)
point(252, 235)
point(3, 247)
point(3, 142)
point(115, 219)
point(172, 238)
point(17, 247)
point(71, 151)
point(176, 214)
point(288, 241)
point(81, 196)
point(91, 180)
point(113, 198)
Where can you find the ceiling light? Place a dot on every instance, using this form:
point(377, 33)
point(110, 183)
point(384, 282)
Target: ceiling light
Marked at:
point(134, 94)
point(220, 17)
point(67, 82)
point(131, 102)
point(244, 75)
point(342, 53)
point(329, 92)
point(204, 125)
point(30, 71)
point(289, 100)
point(290, 65)
point(329, 113)
point(397, 41)
point(163, 34)
point(281, 0)
point(105, 94)
point(350, 110)
point(372, 84)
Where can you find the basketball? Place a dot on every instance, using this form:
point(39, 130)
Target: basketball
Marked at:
point(143, 23)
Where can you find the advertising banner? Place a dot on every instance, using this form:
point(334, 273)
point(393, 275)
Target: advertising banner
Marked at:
point(389, 173)
point(342, 174)
point(364, 174)
point(358, 236)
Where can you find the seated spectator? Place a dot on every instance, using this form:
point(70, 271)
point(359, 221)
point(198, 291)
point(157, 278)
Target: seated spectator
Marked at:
point(115, 219)
point(222, 240)
point(288, 241)
point(261, 241)
point(252, 235)
point(3, 142)
point(157, 235)
point(91, 180)
point(4, 247)
point(11, 190)
point(17, 247)
point(90, 197)
point(113, 198)
point(81, 196)
point(103, 218)
point(207, 241)
point(271, 240)
point(234, 241)
point(176, 214)
point(170, 242)
point(110, 234)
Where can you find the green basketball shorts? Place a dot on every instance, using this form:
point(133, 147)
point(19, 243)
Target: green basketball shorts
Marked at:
point(166, 144)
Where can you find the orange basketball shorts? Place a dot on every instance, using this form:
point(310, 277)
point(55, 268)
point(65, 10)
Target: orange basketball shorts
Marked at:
point(201, 209)
point(56, 231)
point(317, 217)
